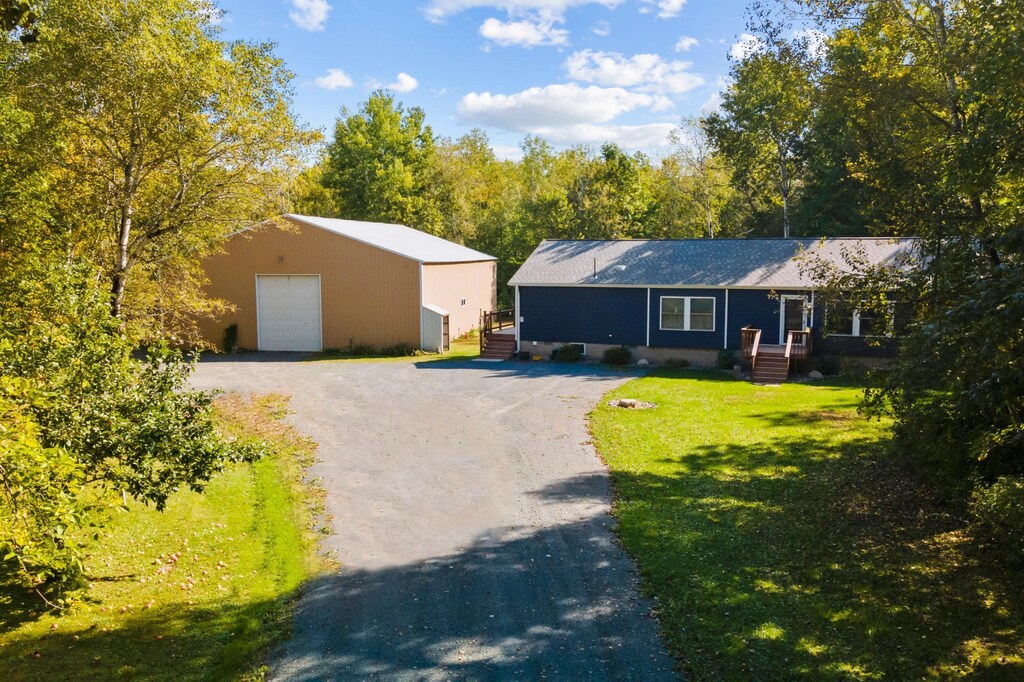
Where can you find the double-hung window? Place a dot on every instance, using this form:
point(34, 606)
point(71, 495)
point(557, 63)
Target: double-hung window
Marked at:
point(688, 313)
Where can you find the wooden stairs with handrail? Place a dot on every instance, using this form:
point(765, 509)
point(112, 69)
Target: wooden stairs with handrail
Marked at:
point(495, 343)
point(770, 364)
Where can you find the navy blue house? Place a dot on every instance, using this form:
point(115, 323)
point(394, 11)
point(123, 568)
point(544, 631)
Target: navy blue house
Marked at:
point(689, 298)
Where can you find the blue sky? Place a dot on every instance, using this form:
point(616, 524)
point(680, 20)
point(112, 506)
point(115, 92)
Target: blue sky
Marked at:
point(571, 71)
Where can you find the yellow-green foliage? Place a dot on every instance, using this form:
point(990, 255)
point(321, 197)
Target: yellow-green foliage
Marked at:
point(783, 543)
point(198, 591)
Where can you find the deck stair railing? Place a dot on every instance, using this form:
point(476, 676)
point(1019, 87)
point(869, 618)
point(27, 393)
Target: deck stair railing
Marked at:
point(770, 364)
point(494, 321)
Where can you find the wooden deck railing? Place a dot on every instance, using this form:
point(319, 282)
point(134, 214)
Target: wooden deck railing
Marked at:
point(495, 321)
point(750, 339)
point(798, 344)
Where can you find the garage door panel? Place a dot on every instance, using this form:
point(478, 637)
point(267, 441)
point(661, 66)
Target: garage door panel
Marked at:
point(288, 312)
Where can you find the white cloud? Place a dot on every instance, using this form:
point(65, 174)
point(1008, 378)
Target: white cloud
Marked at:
point(712, 104)
point(629, 136)
point(646, 72)
point(551, 108)
point(437, 10)
point(524, 33)
point(334, 79)
point(507, 152)
point(403, 83)
point(815, 41)
point(666, 8)
point(602, 28)
point(310, 14)
point(686, 43)
point(744, 47)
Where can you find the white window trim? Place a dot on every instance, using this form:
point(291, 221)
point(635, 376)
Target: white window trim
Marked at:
point(686, 314)
point(855, 328)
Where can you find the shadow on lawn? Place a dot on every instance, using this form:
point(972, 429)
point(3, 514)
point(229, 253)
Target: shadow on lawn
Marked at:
point(792, 559)
point(178, 642)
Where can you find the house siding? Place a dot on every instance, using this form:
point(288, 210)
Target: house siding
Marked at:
point(583, 315)
point(663, 338)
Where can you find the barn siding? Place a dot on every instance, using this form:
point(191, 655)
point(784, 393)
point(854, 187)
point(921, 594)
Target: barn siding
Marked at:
point(445, 285)
point(583, 315)
point(368, 296)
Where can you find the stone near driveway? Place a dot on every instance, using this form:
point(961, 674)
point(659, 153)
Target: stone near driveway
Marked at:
point(471, 520)
point(815, 374)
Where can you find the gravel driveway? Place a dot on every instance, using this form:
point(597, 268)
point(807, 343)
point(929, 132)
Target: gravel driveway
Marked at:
point(471, 520)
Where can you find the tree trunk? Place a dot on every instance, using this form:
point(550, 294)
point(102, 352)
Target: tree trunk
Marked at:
point(120, 277)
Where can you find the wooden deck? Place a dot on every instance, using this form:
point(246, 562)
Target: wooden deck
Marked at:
point(770, 363)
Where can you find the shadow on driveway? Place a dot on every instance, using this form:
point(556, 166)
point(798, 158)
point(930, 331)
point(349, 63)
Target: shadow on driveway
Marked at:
point(475, 615)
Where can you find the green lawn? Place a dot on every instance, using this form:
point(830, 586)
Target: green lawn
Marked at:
point(781, 543)
point(198, 592)
point(463, 348)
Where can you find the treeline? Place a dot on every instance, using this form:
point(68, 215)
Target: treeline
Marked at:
point(384, 163)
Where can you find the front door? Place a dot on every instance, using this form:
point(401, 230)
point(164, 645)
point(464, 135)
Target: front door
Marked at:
point(793, 316)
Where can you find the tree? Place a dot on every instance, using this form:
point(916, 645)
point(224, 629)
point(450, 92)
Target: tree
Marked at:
point(380, 165)
point(929, 95)
point(83, 421)
point(170, 138)
point(764, 119)
point(705, 180)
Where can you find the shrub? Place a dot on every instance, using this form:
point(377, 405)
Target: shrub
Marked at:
point(572, 352)
point(850, 367)
point(727, 358)
point(997, 513)
point(676, 363)
point(84, 418)
point(829, 365)
point(399, 350)
point(617, 355)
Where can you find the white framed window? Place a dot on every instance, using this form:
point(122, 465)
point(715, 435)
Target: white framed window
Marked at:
point(688, 313)
point(849, 320)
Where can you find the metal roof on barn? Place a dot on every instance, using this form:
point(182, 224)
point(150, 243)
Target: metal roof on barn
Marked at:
point(741, 263)
point(398, 239)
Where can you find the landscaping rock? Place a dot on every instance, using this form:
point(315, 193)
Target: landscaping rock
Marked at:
point(642, 363)
point(631, 404)
point(737, 368)
point(815, 374)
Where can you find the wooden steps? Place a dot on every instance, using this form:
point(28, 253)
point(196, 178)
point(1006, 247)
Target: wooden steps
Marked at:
point(770, 368)
point(498, 347)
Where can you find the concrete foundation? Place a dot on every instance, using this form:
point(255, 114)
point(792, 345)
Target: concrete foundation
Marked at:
point(696, 357)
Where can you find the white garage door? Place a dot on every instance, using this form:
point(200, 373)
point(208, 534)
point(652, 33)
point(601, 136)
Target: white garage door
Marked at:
point(288, 312)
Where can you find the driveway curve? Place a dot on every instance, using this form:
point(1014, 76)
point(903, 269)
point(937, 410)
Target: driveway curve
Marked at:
point(471, 519)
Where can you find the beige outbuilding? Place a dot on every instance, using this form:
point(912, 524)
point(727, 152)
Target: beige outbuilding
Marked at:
point(303, 283)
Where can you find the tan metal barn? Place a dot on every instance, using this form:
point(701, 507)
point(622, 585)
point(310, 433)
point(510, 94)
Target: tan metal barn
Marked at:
point(303, 283)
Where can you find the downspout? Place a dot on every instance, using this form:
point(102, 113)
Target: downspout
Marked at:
point(648, 317)
point(518, 320)
point(725, 336)
point(421, 306)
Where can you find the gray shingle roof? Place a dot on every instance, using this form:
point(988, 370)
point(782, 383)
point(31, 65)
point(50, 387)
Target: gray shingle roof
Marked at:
point(752, 263)
point(399, 239)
